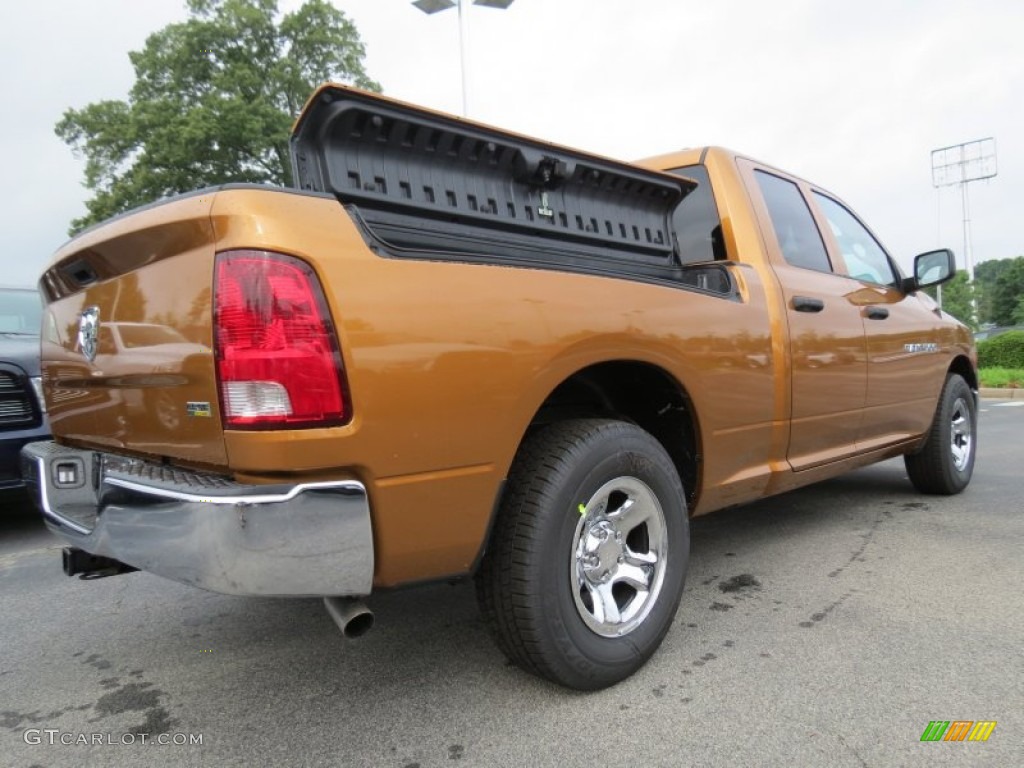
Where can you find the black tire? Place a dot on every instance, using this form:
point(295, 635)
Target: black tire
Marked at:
point(945, 462)
point(568, 520)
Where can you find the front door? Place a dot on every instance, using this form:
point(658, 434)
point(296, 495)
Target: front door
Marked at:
point(905, 371)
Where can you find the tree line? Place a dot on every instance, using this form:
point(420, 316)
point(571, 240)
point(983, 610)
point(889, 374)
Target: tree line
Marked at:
point(996, 297)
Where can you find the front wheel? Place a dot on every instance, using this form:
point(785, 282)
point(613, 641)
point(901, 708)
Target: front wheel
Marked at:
point(587, 560)
point(945, 463)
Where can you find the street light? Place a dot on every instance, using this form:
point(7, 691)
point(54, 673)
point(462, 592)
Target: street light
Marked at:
point(434, 6)
point(961, 164)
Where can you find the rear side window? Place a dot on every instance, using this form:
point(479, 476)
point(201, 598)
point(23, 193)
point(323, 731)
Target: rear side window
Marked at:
point(798, 235)
point(698, 228)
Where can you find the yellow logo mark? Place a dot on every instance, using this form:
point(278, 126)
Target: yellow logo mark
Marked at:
point(982, 730)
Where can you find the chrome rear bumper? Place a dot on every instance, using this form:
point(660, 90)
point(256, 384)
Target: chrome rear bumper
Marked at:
point(308, 539)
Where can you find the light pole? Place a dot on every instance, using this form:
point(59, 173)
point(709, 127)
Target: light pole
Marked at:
point(961, 164)
point(433, 6)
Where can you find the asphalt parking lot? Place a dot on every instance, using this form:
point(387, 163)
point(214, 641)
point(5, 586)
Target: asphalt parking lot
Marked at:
point(825, 627)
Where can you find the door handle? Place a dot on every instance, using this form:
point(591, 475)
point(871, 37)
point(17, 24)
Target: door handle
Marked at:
point(876, 313)
point(807, 304)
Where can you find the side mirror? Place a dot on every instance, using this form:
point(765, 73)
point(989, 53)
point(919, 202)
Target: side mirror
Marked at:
point(931, 268)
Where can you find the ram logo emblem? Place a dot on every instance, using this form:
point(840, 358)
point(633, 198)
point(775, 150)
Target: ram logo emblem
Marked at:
point(88, 328)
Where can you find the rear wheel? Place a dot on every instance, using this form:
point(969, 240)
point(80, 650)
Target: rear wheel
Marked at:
point(589, 552)
point(945, 463)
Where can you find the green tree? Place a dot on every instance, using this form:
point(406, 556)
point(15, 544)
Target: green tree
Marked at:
point(987, 276)
point(213, 102)
point(1018, 312)
point(957, 298)
point(1007, 291)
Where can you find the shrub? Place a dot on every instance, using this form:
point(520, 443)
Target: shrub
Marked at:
point(1002, 378)
point(1004, 351)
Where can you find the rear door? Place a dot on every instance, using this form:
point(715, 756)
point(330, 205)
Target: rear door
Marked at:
point(828, 358)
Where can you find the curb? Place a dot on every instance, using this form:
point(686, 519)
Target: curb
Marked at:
point(991, 393)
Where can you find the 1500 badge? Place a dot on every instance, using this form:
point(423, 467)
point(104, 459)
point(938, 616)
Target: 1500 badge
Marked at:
point(921, 347)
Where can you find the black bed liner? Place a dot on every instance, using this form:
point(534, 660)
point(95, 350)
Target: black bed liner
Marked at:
point(428, 182)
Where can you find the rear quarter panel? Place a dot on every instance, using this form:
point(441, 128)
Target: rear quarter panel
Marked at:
point(448, 363)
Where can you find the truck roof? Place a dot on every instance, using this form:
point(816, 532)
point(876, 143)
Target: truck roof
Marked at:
point(676, 159)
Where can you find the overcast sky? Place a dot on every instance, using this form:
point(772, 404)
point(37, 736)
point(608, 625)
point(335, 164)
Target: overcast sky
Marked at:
point(850, 95)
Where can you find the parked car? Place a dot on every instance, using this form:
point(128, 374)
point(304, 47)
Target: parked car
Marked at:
point(22, 412)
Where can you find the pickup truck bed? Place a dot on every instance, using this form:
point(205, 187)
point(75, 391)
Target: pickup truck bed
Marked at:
point(458, 352)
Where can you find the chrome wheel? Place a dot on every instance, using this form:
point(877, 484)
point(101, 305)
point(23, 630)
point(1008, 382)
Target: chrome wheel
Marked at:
point(944, 462)
point(588, 557)
point(960, 434)
point(619, 554)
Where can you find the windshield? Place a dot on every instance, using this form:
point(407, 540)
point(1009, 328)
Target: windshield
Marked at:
point(20, 311)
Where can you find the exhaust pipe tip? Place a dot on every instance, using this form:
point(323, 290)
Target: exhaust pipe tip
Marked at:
point(352, 616)
point(77, 562)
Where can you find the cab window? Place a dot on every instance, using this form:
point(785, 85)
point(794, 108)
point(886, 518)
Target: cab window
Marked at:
point(865, 259)
point(798, 235)
point(698, 228)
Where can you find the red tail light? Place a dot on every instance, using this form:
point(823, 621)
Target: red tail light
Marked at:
point(278, 360)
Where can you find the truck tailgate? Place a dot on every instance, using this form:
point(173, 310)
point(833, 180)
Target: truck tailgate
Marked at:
point(127, 338)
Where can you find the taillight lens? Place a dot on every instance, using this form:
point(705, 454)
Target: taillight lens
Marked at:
point(278, 360)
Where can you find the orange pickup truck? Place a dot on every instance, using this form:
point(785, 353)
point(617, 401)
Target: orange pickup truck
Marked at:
point(455, 352)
